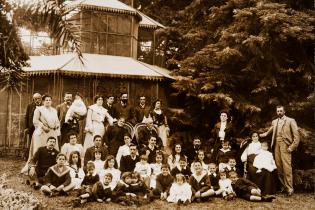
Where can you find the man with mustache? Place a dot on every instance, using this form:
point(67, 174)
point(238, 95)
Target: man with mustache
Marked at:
point(62, 111)
point(43, 158)
point(29, 126)
point(125, 110)
point(285, 139)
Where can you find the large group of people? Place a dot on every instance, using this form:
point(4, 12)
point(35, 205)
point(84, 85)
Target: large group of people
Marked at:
point(125, 155)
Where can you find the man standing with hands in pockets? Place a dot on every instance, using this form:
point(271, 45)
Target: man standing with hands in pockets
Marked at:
point(285, 139)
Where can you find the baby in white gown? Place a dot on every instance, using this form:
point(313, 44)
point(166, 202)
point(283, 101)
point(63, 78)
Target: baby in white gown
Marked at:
point(77, 107)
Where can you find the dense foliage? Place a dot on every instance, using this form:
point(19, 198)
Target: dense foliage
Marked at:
point(243, 55)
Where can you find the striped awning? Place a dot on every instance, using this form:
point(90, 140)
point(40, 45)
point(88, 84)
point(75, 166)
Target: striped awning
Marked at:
point(95, 65)
point(114, 6)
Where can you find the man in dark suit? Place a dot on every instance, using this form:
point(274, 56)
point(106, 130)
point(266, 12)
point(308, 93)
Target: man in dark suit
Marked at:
point(89, 153)
point(142, 110)
point(29, 127)
point(192, 151)
point(109, 105)
point(43, 158)
point(128, 162)
point(285, 139)
point(125, 110)
point(62, 111)
point(114, 136)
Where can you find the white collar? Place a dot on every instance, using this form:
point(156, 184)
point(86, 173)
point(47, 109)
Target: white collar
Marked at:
point(223, 150)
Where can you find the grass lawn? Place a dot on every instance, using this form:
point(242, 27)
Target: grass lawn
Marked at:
point(11, 167)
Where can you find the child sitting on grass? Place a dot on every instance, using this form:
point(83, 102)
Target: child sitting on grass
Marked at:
point(163, 183)
point(102, 190)
point(76, 171)
point(247, 190)
point(57, 179)
point(200, 184)
point(131, 190)
point(180, 191)
point(225, 187)
point(90, 178)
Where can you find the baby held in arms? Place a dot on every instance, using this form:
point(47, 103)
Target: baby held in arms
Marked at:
point(77, 108)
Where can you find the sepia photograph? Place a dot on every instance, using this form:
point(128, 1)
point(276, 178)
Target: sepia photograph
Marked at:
point(157, 104)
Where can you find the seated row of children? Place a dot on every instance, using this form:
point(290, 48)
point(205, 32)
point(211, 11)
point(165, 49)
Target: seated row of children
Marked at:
point(146, 181)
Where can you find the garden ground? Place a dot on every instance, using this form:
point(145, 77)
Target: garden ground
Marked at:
point(11, 167)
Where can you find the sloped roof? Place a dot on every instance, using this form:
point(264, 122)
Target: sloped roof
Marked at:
point(104, 5)
point(116, 7)
point(95, 65)
point(148, 22)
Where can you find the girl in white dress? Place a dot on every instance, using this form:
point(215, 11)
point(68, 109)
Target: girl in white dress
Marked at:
point(76, 171)
point(180, 191)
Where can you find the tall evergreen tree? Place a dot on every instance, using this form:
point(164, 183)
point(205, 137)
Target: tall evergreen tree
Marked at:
point(244, 55)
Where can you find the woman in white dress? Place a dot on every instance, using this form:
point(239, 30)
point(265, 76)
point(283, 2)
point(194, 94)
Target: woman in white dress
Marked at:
point(46, 124)
point(95, 121)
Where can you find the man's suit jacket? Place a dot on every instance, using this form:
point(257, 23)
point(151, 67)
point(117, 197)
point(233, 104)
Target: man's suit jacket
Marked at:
point(29, 116)
point(111, 110)
point(141, 112)
point(127, 163)
point(290, 132)
point(126, 112)
point(62, 111)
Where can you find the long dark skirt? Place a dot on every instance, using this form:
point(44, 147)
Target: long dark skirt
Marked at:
point(266, 181)
point(251, 170)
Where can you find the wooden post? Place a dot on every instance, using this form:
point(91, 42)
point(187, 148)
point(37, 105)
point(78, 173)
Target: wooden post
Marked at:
point(153, 61)
point(9, 120)
point(20, 110)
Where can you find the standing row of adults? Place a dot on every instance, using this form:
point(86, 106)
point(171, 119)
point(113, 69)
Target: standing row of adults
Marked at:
point(48, 121)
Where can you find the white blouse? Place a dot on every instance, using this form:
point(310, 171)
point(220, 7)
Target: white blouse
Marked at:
point(252, 148)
